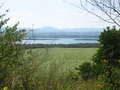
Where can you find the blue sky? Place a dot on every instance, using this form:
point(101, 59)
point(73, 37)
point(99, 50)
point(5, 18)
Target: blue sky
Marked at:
point(55, 13)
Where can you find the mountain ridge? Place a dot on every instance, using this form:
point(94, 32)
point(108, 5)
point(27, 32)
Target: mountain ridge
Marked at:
point(50, 32)
point(52, 29)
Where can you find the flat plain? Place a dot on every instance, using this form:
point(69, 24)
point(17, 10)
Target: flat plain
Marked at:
point(64, 58)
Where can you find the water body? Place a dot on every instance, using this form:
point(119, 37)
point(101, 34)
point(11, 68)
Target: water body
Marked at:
point(60, 40)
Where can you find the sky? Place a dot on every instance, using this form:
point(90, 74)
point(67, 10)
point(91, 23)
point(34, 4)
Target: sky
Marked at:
point(54, 13)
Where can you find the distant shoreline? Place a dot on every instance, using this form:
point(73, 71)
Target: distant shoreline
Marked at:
point(40, 39)
point(85, 39)
point(59, 39)
point(80, 45)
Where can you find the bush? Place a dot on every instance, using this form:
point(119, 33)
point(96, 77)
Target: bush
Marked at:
point(109, 50)
point(110, 79)
point(106, 62)
point(85, 70)
point(10, 50)
point(17, 71)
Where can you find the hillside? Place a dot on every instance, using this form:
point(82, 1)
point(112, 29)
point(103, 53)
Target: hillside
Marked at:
point(51, 32)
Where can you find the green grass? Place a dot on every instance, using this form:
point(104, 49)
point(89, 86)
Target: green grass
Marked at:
point(72, 57)
point(64, 58)
point(56, 68)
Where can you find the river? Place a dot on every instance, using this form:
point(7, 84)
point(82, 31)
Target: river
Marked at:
point(60, 40)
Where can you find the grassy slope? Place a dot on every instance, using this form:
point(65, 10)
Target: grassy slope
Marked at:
point(64, 59)
point(59, 68)
point(72, 57)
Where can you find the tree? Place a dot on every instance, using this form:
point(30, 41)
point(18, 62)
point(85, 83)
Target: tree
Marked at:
point(106, 62)
point(10, 50)
point(106, 10)
point(109, 50)
point(19, 67)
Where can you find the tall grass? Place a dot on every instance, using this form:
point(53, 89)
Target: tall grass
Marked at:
point(38, 69)
point(51, 69)
point(57, 72)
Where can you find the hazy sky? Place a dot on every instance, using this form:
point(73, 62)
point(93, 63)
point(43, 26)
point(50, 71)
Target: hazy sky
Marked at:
point(55, 13)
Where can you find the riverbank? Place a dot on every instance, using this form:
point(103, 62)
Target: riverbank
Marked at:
point(59, 40)
point(80, 45)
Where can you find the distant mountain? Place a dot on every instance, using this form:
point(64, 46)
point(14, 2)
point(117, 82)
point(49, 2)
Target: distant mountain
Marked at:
point(47, 29)
point(50, 32)
point(52, 29)
point(82, 29)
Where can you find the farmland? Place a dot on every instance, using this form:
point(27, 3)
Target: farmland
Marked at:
point(68, 57)
point(56, 68)
point(71, 57)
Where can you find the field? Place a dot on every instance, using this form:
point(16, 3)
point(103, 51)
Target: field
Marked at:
point(71, 57)
point(57, 68)
point(67, 58)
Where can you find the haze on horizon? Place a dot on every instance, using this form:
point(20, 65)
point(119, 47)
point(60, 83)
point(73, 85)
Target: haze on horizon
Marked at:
point(54, 13)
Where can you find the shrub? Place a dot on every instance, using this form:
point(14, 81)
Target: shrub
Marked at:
point(85, 70)
point(109, 50)
point(108, 55)
point(106, 62)
point(110, 79)
point(10, 50)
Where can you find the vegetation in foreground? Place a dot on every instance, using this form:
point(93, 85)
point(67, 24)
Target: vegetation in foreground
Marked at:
point(54, 68)
point(106, 62)
point(42, 69)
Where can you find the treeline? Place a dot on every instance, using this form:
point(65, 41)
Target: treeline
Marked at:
point(80, 45)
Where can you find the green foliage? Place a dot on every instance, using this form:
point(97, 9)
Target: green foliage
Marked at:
point(106, 62)
point(110, 79)
point(17, 71)
point(85, 70)
point(22, 69)
point(10, 50)
point(80, 45)
point(110, 47)
point(108, 58)
point(108, 55)
point(58, 72)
